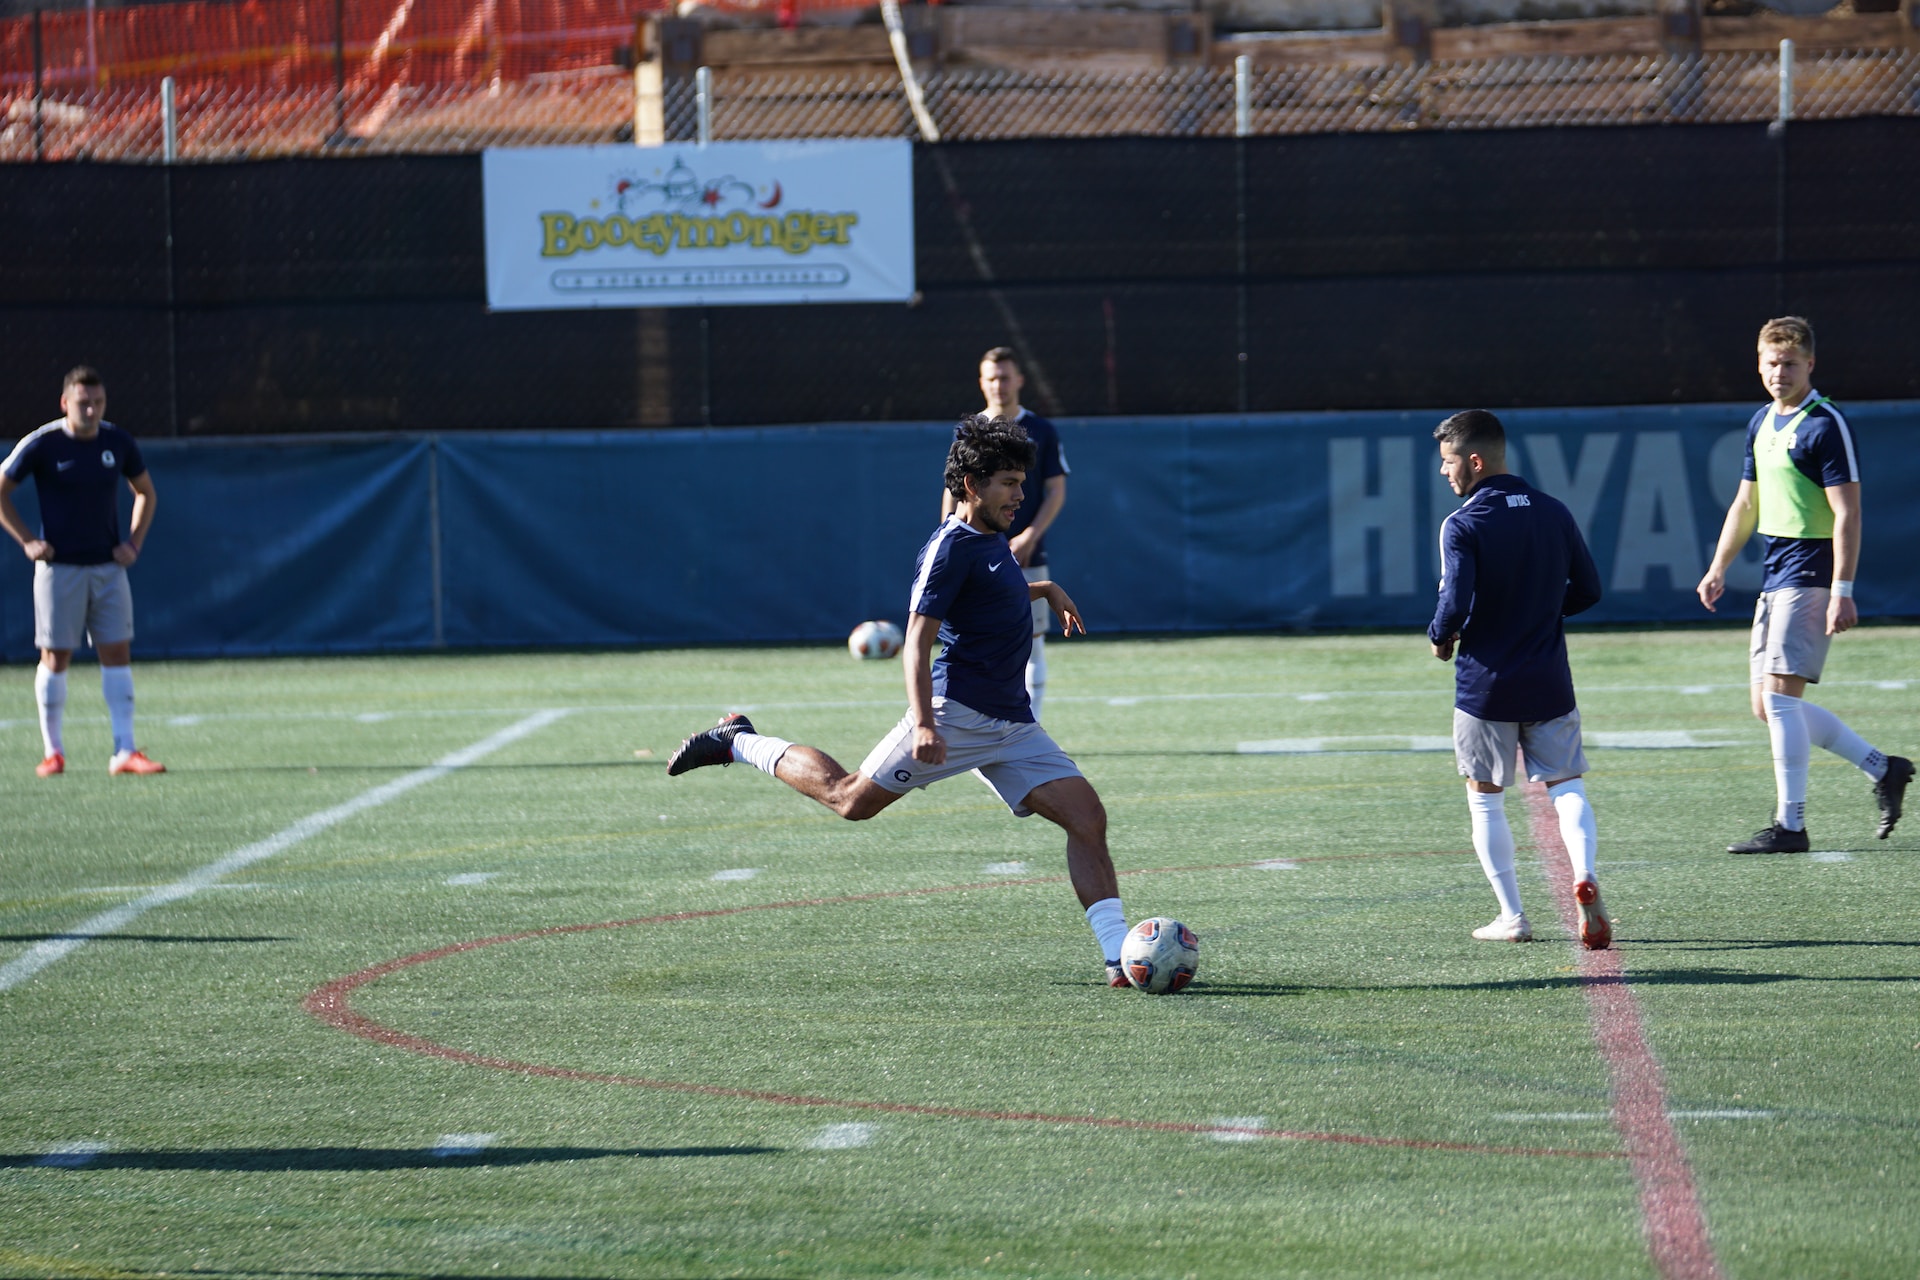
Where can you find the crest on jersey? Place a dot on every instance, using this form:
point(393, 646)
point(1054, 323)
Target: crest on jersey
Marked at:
point(106, 457)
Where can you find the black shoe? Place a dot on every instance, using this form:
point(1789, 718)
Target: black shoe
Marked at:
point(714, 746)
point(1891, 790)
point(1774, 839)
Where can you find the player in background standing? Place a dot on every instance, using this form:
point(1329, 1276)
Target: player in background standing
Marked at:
point(1801, 489)
point(1513, 567)
point(1000, 382)
point(80, 560)
point(969, 712)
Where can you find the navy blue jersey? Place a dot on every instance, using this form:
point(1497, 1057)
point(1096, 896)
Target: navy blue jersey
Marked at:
point(78, 484)
point(1513, 564)
point(1048, 461)
point(1822, 451)
point(971, 582)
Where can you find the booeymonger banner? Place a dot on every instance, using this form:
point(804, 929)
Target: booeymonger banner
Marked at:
point(731, 223)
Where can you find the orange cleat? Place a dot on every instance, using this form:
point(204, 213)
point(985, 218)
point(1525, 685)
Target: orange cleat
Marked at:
point(1596, 931)
point(54, 763)
point(134, 762)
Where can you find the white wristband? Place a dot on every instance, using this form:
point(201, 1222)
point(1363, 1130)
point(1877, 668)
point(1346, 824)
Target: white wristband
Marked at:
point(1842, 589)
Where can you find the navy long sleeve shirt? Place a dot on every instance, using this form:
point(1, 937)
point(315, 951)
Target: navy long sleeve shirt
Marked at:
point(1513, 565)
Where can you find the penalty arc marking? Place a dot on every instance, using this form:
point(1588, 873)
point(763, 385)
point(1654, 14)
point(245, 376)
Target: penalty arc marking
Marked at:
point(330, 1003)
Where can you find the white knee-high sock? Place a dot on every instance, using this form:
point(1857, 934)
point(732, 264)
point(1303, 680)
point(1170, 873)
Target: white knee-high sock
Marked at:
point(1109, 925)
point(116, 685)
point(1827, 730)
point(760, 750)
point(1493, 841)
point(50, 692)
point(1578, 831)
point(1787, 729)
point(1037, 674)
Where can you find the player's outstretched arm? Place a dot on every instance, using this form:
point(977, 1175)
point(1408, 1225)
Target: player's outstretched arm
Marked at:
point(1742, 515)
point(1063, 606)
point(917, 656)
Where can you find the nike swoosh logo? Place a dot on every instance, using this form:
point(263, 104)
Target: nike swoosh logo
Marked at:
point(995, 565)
point(62, 466)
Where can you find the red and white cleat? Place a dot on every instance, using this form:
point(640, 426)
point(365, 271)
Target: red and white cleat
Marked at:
point(1596, 931)
point(1117, 974)
point(55, 763)
point(134, 762)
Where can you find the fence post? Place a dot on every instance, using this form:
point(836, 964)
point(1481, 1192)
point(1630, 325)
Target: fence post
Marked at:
point(169, 123)
point(1242, 96)
point(39, 90)
point(1785, 112)
point(703, 105)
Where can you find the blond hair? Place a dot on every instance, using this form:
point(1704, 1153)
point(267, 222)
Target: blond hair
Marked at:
point(1788, 331)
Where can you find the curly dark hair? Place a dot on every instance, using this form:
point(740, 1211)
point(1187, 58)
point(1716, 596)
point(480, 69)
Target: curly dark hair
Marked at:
point(984, 447)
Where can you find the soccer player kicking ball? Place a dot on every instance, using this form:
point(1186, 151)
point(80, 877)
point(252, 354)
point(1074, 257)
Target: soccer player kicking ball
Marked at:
point(970, 712)
point(1513, 567)
point(1801, 489)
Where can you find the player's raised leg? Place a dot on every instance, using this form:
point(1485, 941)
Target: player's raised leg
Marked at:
point(808, 770)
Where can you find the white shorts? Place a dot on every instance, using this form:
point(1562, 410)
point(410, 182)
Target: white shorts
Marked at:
point(1484, 749)
point(72, 602)
point(1042, 611)
point(1010, 757)
point(1789, 634)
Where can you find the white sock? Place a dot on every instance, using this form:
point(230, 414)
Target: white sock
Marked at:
point(50, 691)
point(1109, 924)
point(1825, 729)
point(1787, 728)
point(1578, 831)
point(116, 685)
point(1037, 674)
point(1493, 841)
point(760, 750)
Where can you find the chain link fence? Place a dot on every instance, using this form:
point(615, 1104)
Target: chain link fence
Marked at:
point(597, 105)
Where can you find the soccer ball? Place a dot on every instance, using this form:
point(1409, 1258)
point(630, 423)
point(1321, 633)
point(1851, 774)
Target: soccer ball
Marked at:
point(875, 640)
point(1160, 955)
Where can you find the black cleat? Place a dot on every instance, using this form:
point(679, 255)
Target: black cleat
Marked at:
point(1774, 839)
point(713, 746)
point(1891, 790)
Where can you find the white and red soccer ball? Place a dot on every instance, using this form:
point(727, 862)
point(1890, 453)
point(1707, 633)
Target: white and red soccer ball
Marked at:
point(875, 640)
point(1160, 955)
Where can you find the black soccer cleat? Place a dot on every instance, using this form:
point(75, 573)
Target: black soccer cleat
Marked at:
point(1891, 791)
point(1773, 839)
point(711, 746)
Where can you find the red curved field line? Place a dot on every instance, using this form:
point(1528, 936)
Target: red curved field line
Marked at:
point(329, 1003)
point(1675, 1224)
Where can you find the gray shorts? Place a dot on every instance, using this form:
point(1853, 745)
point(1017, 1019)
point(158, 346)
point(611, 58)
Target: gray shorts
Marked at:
point(1042, 611)
point(1484, 749)
point(1789, 634)
point(1010, 757)
point(76, 601)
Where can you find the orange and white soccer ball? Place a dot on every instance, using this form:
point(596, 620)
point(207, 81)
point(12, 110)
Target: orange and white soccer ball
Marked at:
point(1160, 955)
point(875, 640)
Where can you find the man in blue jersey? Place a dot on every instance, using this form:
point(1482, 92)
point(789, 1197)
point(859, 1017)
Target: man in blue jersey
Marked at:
point(77, 463)
point(969, 712)
point(1000, 383)
point(1513, 567)
point(1800, 489)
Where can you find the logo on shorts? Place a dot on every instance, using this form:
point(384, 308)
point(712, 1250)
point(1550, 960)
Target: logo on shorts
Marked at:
point(902, 775)
point(106, 457)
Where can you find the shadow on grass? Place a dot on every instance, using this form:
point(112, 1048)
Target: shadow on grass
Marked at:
point(355, 1159)
point(129, 937)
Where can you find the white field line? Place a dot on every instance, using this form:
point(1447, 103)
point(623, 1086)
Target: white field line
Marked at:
point(1004, 869)
point(471, 877)
point(736, 873)
point(840, 1137)
point(73, 1155)
point(42, 954)
point(1436, 692)
point(1237, 1128)
point(1831, 855)
point(463, 1144)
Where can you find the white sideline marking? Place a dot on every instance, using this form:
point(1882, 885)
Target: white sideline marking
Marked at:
point(374, 717)
point(1831, 855)
point(1889, 684)
point(1276, 864)
point(738, 873)
point(142, 888)
point(1346, 746)
point(1005, 868)
point(1123, 702)
point(185, 722)
point(42, 954)
point(1696, 688)
point(840, 1137)
point(1657, 739)
point(463, 1144)
point(471, 877)
point(72, 1155)
point(1582, 1116)
point(1235, 1128)
point(1316, 697)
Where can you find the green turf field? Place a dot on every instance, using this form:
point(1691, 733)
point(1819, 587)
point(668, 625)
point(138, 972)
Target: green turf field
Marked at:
point(506, 1110)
